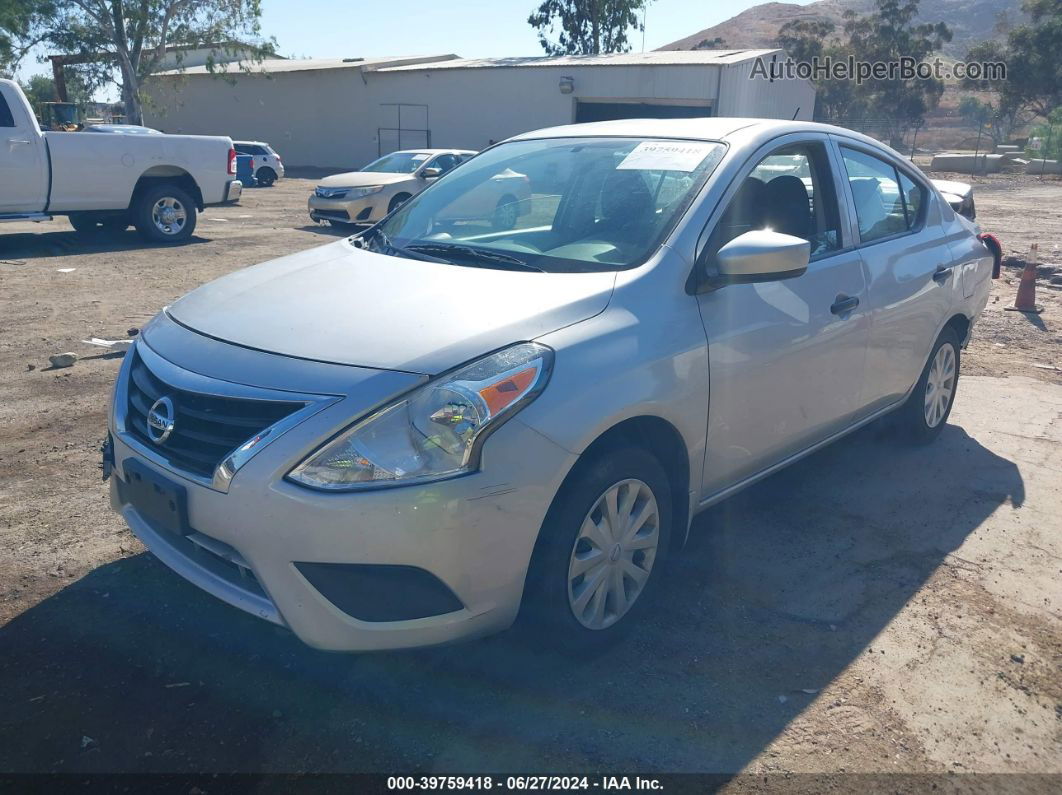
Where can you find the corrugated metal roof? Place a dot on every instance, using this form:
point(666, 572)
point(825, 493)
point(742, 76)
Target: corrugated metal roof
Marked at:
point(274, 66)
point(665, 58)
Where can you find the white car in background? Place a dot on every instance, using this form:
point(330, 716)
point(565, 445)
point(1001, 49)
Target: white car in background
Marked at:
point(267, 166)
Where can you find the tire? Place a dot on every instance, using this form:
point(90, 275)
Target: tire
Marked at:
point(266, 176)
point(397, 201)
point(98, 223)
point(560, 604)
point(506, 213)
point(160, 227)
point(926, 411)
point(85, 223)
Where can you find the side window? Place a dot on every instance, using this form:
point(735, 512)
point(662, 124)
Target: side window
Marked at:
point(241, 149)
point(6, 119)
point(914, 200)
point(879, 204)
point(789, 191)
point(444, 163)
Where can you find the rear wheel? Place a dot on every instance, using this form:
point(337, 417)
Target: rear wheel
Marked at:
point(598, 559)
point(926, 411)
point(506, 213)
point(97, 223)
point(266, 176)
point(165, 214)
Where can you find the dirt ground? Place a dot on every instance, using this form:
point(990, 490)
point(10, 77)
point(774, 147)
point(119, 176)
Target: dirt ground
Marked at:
point(876, 609)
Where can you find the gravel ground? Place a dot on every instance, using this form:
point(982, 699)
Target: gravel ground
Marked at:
point(875, 609)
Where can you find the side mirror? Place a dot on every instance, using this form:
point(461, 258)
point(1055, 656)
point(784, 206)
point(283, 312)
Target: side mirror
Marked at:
point(431, 173)
point(762, 256)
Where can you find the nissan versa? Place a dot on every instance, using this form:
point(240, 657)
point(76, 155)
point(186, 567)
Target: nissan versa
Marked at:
point(415, 434)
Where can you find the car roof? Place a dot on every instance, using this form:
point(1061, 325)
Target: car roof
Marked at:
point(716, 128)
point(745, 132)
point(430, 152)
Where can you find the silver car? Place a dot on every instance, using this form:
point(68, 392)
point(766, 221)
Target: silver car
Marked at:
point(418, 434)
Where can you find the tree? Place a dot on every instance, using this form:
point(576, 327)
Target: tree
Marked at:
point(888, 35)
point(40, 88)
point(19, 20)
point(805, 40)
point(1033, 80)
point(125, 41)
point(587, 27)
point(716, 43)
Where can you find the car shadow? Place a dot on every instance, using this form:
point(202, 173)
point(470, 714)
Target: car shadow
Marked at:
point(28, 245)
point(779, 590)
point(332, 231)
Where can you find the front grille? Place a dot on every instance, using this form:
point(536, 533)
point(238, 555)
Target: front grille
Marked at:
point(331, 193)
point(206, 427)
point(333, 215)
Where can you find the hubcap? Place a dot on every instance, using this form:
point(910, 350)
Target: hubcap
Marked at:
point(613, 554)
point(169, 216)
point(940, 385)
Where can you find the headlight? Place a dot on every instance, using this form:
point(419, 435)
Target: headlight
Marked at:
point(434, 432)
point(357, 193)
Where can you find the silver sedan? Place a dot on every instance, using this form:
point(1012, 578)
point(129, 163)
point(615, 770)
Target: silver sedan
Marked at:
point(423, 432)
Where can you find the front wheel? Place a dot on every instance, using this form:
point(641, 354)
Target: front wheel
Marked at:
point(926, 411)
point(397, 201)
point(165, 214)
point(600, 551)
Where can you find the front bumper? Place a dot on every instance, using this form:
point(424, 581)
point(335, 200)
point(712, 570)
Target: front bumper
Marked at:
point(474, 534)
point(366, 210)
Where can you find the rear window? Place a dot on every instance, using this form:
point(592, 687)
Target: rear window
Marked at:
point(6, 119)
point(249, 149)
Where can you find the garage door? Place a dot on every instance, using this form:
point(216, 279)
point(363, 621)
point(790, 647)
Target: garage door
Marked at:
point(607, 111)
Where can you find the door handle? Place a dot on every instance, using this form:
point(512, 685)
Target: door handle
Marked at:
point(941, 274)
point(18, 141)
point(844, 304)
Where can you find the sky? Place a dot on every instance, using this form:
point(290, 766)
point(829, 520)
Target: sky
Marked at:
point(468, 28)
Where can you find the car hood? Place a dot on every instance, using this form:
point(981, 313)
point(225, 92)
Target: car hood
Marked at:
point(344, 305)
point(361, 179)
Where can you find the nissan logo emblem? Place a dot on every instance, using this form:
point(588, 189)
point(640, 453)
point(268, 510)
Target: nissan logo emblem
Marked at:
point(160, 418)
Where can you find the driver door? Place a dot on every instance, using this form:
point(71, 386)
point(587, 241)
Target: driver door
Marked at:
point(786, 357)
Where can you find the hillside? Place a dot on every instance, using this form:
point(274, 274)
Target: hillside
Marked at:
point(971, 21)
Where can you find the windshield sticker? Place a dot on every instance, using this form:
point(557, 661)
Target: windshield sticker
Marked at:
point(666, 156)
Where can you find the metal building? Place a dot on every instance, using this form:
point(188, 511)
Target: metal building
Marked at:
point(343, 113)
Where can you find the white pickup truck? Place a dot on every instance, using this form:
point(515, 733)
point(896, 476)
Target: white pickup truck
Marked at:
point(101, 181)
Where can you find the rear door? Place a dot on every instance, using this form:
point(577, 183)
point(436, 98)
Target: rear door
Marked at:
point(23, 175)
point(786, 357)
point(911, 284)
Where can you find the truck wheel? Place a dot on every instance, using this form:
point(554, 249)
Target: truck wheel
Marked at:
point(164, 214)
point(85, 223)
point(266, 176)
point(96, 223)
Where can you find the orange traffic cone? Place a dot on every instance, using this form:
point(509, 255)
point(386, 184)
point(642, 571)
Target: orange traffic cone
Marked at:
point(1026, 299)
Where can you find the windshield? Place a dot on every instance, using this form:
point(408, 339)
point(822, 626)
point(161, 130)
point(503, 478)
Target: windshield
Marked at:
point(398, 162)
point(559, 205)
